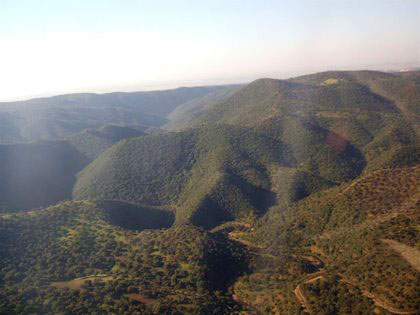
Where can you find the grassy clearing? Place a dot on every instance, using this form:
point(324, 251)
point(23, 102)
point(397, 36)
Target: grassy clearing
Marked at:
point(142, 299)
point(78, 282)
point(330, 82)
point(410, 254)
point(70, 234)
point(186, 267)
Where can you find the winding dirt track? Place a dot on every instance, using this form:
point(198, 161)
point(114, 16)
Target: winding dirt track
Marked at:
point(301, 298)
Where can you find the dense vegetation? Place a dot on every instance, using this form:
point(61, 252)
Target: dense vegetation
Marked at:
point(168, 170)
point(279, 197)
point(72, 258)
point(347, 106)
point(296, 137)
point(342, 238)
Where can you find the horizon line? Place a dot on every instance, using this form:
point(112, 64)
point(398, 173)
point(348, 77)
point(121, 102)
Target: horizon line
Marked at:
point(165, 86)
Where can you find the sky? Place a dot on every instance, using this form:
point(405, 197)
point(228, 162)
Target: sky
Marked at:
point(50, 47)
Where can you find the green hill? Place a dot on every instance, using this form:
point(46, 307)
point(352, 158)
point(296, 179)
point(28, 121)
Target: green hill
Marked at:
point(236, 163)
point(344, 104)
point(271, 141)
point(402, 88)
point(167, 170)
point(264, 98)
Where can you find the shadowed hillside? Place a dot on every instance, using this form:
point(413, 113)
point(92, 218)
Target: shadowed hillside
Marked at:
point(37, 174)
point(133, 217)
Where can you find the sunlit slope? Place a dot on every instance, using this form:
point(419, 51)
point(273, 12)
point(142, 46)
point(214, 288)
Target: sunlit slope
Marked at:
point(263, 98)
point(92, 142)
point(80, 249)
point(37, 174)
point(348, 247)
point(344, 104)
point(210, 174)
point(402, 88)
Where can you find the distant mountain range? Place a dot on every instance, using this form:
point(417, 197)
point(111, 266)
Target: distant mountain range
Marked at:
point(54, 118)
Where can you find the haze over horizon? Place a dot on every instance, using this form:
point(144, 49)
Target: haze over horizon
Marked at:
point(53, 48)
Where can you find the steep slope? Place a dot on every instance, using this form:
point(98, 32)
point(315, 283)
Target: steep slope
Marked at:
point(37, 174)
point(402, 88)
point(168, 170)
point(54, 118)
point(92, 142)
point(335, 250)
point(263, 98)
point(342, 103)
point(209, 175)
point(272, 141)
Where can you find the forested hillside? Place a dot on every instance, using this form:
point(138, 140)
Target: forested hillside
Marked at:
point(286, 137)
point(351, 248)
point(382, 126)
point(278, 197)
point(76, 257)
point(236, 163)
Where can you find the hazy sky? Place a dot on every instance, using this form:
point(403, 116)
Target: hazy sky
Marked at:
point(62, 46)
